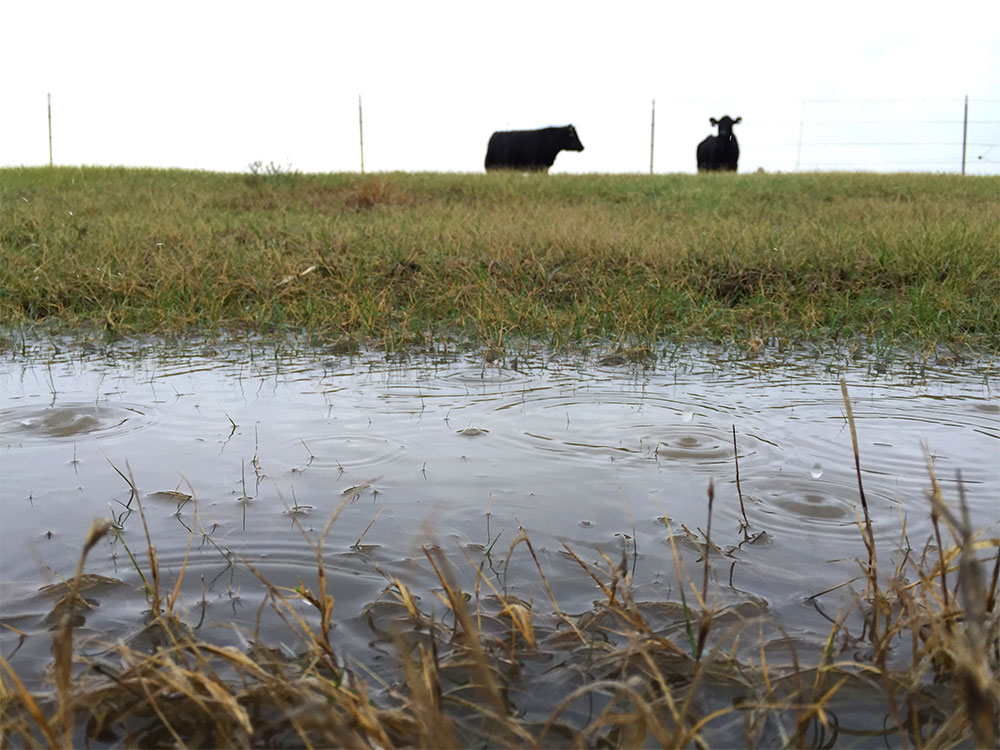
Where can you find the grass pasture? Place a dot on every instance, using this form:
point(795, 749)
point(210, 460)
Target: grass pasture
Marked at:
point(399, 259)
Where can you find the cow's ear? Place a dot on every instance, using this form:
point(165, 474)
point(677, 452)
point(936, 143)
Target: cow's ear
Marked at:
point(713, 121)
point(738, 119)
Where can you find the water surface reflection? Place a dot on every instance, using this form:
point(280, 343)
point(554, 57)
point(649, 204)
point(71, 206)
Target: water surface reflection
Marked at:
point(254, 449)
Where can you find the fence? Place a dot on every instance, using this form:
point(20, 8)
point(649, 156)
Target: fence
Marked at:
point(930, 144)
point(952, 135)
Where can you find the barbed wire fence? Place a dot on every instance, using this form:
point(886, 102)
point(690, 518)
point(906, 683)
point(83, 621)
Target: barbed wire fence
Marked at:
point(892, 135)
point(952, 135)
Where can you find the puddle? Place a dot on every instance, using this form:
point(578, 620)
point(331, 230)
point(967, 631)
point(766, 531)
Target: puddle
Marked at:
point(267, 445)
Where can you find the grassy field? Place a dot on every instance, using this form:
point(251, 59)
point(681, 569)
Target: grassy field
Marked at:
point(398, 259)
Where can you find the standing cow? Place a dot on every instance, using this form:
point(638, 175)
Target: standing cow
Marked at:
point(530, 150)
point(719, 153)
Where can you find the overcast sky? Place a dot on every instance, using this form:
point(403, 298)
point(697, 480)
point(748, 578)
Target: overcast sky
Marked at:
point(218, 85)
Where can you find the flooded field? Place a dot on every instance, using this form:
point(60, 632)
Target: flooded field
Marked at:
point(241, 455)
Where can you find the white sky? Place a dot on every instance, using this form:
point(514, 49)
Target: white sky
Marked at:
point(218, 84)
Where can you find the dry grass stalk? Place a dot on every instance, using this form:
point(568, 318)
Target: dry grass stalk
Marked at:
point(62, 641)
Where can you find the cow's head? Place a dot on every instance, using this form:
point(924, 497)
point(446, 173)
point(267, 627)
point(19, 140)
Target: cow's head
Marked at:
point(572, 141)
point(725, 125)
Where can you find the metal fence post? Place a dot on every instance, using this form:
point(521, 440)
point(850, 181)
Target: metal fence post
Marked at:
point(802, 122)
point(965, 131)
point(50, 130)
point(361, 135)
point(652, 134)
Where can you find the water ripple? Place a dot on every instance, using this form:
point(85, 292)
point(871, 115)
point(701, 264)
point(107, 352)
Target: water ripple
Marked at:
point(72, 420)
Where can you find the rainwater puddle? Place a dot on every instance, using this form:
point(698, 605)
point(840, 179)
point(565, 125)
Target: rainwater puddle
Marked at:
point(254, 450)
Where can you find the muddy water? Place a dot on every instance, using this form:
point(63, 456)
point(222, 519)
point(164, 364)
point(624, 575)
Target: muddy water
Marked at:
point(253, 449)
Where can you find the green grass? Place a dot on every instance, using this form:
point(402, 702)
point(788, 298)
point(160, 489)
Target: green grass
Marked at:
point(399, 259)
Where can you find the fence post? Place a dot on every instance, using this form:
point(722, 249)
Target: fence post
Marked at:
point(50, 130)
point(802, 121)
point(965, 131)
point(361, 135)
point(652, 134)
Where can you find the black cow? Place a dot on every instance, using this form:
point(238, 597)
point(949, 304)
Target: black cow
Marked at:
point(530, 150)
point(719, 153)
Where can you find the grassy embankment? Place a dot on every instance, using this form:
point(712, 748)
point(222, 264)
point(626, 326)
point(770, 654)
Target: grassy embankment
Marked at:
point(397, 259)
